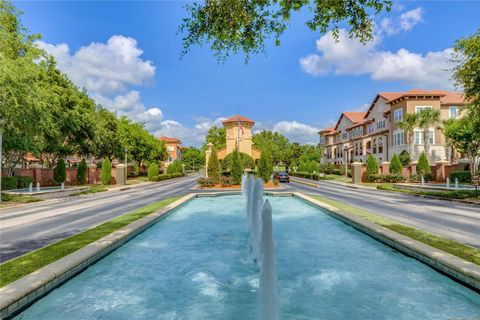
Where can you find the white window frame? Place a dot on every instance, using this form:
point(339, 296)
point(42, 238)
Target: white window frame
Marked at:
point(418, 136)
point(398, 138)
point(398, 115)
point(420, 108)
point(450, 112)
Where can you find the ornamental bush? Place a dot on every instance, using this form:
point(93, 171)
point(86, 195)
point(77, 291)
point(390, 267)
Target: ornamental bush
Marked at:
point(265, 166)
point(23, 182)
point(60, 172)
point(372, 165)
point(82, 172)
point(246, 160)
point(237, 169)
point(106, 172)
point(423, 167)
point(152, 171)
point(395, 165)
point(463, 176)
point(214, 166)
point(9, 183)
point(175, 167)
point(405, 158)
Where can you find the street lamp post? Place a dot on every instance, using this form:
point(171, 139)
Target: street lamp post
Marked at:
point(126, 152)
point(345, 149)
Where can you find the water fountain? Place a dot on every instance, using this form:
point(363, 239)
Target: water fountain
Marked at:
point(255, 222)
point(38, 187)
point(448, 182)
point(267, 293)
point(249, 184)
point(62, 187)
point(456, 183)
point(30, 187)
point(423, 181)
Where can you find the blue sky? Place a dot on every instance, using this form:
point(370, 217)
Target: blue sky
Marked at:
point(127, 56)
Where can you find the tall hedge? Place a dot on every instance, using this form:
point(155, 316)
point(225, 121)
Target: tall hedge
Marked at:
point(152, 171)
point(265, 166)
point(405, 158)
point(214, 166)
point(395, 165)
point(423, 167)
point(237, 168)
point(372, 165)
point(175, 167)
point(106, 172)
point(60, 172)
point(82, 172)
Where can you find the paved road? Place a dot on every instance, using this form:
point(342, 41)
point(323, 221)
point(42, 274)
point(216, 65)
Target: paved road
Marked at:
point(24, 229)
point(454, 220)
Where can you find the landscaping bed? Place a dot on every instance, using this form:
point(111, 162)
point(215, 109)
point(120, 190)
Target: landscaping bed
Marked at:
point(453, 194)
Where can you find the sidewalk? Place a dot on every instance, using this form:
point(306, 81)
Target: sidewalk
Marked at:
point(315, 183)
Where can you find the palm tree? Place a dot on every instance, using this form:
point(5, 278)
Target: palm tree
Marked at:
point(408, 124)
point(428, 118)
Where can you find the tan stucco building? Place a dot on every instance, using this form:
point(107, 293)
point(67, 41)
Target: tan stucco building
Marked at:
point(238, 132)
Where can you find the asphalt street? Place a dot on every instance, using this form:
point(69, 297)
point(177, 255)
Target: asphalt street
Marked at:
point(450, 219)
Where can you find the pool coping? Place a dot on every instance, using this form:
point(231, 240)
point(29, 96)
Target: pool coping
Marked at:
point(18, 295)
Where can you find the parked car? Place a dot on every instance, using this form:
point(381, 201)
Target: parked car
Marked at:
point(281, 176)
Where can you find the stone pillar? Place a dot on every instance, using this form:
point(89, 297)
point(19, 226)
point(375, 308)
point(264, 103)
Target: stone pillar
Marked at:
point(121, 174)
point(208, 152)
point(441, 174)
point(384, 167)
point(357, 172)
point(37, 172)
point(92, 173)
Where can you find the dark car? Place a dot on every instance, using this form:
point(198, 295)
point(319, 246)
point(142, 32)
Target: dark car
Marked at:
point(281, 176)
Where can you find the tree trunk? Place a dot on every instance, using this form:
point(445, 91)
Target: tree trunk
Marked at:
point(426, 143)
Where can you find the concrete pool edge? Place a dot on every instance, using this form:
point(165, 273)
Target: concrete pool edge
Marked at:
point(464, 271)
point(20, 294)
point(23, 292)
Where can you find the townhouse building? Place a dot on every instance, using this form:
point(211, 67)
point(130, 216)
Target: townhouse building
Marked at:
point(376, 131)
point(173, 149)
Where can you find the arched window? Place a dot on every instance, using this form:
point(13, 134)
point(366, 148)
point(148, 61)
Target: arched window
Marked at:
point(380, 145)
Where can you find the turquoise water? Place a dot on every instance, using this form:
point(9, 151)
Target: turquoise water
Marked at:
point(192, 266)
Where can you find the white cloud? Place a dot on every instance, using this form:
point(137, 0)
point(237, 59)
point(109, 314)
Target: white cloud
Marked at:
point(297, 132)
point(350, 57)
point(107, 70)
point(411, 18)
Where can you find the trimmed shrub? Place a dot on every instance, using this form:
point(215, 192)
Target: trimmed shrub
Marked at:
point(23, 182)
point(405, 158)
point(246, 160)
point(387, 178)
point(463, 176)
point(162, 177)
point(308, 175)
point(206, 182)
point(106, 172)
point(9, 183)
point(152, 171)
point(418, 177)
point(423, 167)
point(226, 181)
point(265, 166)
point(60, 172)
point(395, 165)
point(82, 172)
point(237, 169)
point(175, 167)
point(372, 166)
point(213, 169)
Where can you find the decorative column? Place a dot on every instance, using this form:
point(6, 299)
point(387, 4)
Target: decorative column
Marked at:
point(208, 152)
point(357, 172)
point(413, 167)
point(37, 172)
point(441, 174)
point(121, 174)
point(384, 167)
point(92, 173)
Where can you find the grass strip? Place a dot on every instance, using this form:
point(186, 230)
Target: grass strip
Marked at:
point(19, 267)
point(453, 194)
point(19, 198)
point(455, 248)
point(89, 191)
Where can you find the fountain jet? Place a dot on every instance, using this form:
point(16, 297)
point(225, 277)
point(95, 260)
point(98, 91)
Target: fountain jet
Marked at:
point(255, 222)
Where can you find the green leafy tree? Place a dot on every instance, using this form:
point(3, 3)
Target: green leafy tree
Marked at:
point(82, 172)
point(237, 168)
point(405, 158)
point(246, 160)
point(152, 171)
point(193, 158)
point(408, 124)
point(106, 139)
point(60, 172)
point(428, 118)
point(213, 169)
point(423, 166)
point(244, 25)
point(372, 165)
point(265, 165)
point(106, 172)
point(395, 165)
point(216, 136)
point(277, 144)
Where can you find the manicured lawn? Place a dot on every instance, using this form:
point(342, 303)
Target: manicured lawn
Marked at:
point(19, 198)
point(457, 249)
point(454, 194)
point(17, 268)
point(336, 177)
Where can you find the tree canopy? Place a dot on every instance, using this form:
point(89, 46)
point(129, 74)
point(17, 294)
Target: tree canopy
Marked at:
point(233, 26)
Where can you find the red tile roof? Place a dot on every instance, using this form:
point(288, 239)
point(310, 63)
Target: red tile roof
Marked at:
point(446, 97)
point(237, 117)
point(170, 139)
point(353, 116)
point(327, 130)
